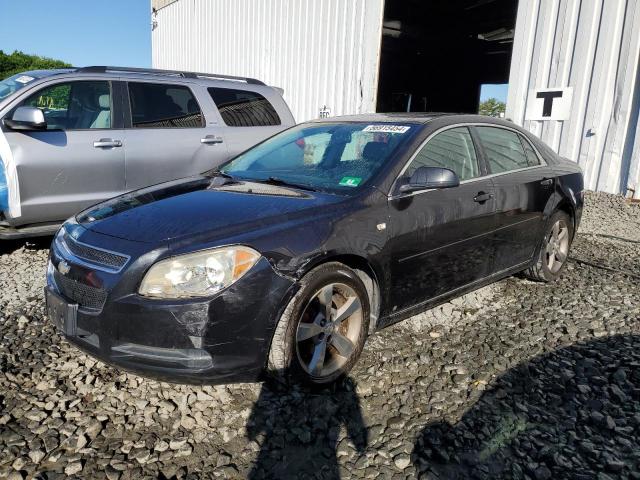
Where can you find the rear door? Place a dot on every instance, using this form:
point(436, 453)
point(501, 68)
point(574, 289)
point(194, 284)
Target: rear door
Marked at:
point(78, 160)
point(171, 133)
point(523, 185)
point(441, 238)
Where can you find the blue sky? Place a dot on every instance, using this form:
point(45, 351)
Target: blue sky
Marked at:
point(80, 32)
point(496, 91)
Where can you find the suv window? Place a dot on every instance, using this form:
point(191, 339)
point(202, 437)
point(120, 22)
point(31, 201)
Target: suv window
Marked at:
point(452, 149)
point(532, 157)
point(158, 105)
point(242, 108)
point(74, 105)
point(503, 149)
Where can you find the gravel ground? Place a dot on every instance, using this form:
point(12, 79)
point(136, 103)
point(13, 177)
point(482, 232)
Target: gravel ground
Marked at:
point(517, 380)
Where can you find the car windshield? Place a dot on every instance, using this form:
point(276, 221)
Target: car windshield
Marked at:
point(335, 157)
point(13, 84)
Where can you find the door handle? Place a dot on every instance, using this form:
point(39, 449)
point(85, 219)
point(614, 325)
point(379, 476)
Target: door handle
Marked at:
point(547, 182)
point(107, 143)
point(211, 139)
point(482, 197)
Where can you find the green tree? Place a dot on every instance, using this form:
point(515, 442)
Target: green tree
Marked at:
point(20, 62)
point(492, 107)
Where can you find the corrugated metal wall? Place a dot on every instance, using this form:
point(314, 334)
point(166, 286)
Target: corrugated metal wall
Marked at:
point(592, 46)
point(322, 52)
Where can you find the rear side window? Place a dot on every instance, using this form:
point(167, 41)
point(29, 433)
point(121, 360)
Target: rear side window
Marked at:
point(157, 105)
point(242, 108)
point(532, 157)
point(503, 149)
point(452, 149)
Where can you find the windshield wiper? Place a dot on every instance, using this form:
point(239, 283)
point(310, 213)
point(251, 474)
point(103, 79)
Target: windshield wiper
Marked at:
point(220, 179)
point(218, 173)
point(285, 183)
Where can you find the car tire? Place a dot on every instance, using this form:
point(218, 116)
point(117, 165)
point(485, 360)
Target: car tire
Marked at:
point(296, 355)
point(554, 250)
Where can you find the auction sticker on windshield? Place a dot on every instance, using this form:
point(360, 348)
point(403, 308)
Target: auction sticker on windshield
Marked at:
point(386, 128)
point(24, 79)
point(350, 181)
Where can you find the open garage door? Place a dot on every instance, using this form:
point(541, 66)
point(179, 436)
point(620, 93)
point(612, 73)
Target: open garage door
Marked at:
point(436, 54)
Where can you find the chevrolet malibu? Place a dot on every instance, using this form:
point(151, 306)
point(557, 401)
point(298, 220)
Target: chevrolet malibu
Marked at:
point(287, 257)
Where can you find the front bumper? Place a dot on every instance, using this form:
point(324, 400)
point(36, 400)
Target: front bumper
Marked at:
point(222, 339)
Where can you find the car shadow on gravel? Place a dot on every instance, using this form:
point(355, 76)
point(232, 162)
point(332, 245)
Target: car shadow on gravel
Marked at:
point(298, 431)
point(9, 246)
point(573, 413)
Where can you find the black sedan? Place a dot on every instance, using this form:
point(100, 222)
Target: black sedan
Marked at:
point(287, 257)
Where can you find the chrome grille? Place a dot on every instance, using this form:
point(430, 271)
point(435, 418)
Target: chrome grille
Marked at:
point(84, 295)
point(94, 255)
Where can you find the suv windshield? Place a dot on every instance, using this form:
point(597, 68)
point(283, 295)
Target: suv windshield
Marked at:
point(13, 84)
point(336, 157)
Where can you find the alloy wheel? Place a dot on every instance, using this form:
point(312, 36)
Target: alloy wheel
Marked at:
point(557, 249)
point(328, 330)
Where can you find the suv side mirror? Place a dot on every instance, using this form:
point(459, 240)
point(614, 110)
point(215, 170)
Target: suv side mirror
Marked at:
point(430, 177)
point(27, 118)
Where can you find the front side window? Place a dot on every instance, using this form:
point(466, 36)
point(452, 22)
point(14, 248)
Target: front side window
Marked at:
point(452, 149)
point(74, 105)
point(503, 149)
point(158, 105)
point(338, 157)
point(243, 108)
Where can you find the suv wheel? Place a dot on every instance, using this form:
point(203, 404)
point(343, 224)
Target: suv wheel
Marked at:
point(322, 331)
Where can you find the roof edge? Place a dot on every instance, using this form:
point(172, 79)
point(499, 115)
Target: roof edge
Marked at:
point(159, 4)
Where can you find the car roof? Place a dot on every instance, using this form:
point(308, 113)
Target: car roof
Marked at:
point(400, 117)
point(145, 73)
point(416, 117)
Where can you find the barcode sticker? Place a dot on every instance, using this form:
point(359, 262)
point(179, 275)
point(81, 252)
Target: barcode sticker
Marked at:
point(386, 128)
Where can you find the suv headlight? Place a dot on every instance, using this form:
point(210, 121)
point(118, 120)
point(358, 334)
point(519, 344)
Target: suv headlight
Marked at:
point(198, 274)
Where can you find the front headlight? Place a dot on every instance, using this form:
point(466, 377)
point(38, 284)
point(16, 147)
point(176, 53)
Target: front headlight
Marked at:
point(198, 274)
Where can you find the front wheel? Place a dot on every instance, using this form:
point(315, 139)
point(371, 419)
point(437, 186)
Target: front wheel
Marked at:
point(554, 251)
point(323, 329)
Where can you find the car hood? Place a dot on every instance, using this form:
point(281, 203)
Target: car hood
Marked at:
point(200, 205)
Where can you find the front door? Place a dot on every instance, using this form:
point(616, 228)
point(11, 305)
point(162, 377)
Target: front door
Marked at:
point(524, 184)
point(441, 237)
point(77, 161)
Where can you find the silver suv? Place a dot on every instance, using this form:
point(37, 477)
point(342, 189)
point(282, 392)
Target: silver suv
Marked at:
point(70, 138)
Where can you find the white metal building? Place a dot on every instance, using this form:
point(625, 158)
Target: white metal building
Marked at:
point(571, 65)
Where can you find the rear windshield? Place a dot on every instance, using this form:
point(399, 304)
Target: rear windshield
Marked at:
point(13, 84)
point(336, 157)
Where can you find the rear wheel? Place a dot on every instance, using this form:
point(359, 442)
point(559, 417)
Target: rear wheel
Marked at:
point(323, 329)
point(554, 251)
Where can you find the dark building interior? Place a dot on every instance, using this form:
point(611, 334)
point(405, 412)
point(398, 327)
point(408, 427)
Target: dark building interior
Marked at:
point(436, 54)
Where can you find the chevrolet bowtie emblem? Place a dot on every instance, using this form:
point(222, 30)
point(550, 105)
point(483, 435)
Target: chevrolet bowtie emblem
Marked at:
point(63, 267)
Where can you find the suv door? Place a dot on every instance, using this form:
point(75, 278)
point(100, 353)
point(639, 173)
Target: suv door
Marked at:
point(168, 136)
point(78, 160)
point(248, 115)
point(523, 184)
point(441, 238)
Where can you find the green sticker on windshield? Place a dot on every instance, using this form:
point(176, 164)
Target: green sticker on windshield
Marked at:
point(350, 181)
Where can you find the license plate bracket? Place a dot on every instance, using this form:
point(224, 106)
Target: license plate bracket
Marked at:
point(62, 314)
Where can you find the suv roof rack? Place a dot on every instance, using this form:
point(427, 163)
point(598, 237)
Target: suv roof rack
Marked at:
point(156, 71)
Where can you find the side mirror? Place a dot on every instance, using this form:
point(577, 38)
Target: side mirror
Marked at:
point(425, 178)
point(27, 118)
